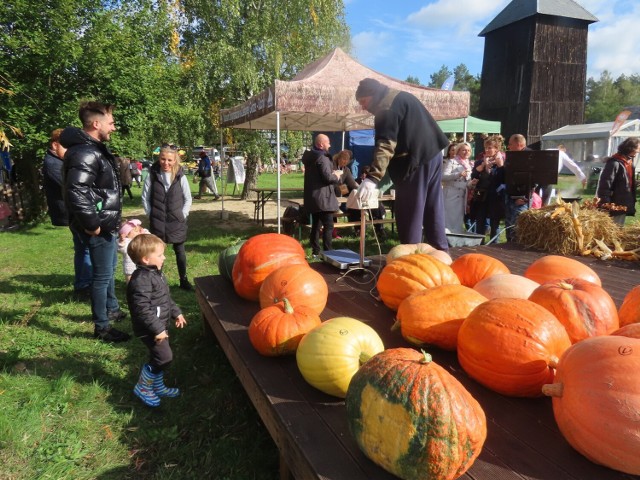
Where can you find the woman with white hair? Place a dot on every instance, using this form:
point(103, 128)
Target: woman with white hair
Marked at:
point(456, 172)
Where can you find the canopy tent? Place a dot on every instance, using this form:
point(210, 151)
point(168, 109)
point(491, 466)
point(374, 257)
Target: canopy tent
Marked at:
point(321, 98)
point(469, 124)
point(592, 140)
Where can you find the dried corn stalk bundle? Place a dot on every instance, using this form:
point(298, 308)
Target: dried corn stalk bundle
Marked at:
point(630, 236)
point(565, 229)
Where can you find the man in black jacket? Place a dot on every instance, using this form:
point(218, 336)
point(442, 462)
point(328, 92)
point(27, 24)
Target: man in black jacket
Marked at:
point(320, 199)
point(409, 144)
point(92, 195)
point(52, 173)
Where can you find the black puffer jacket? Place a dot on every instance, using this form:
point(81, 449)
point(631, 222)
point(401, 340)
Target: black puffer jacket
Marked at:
point(52, 175)
point(615, 186)
point(166, 218)
point(92, 183)
point(150, 302)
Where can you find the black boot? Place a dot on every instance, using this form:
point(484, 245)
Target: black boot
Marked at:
point(185, 285)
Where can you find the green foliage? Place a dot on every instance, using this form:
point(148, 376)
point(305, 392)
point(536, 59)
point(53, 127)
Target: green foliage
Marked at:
point(463, 81)
point(414, 80)
point(607, 97)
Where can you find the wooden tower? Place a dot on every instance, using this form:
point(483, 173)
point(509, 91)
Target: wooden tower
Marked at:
point(535, 67)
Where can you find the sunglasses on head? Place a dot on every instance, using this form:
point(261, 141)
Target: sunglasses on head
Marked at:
point(169, 145)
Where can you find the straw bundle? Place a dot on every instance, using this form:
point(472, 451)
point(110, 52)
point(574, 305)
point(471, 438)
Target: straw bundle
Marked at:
point(566, 229)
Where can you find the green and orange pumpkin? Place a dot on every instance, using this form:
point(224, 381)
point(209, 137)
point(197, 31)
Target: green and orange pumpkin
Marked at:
point(413, 418)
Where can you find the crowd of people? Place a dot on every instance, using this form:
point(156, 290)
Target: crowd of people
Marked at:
point(85, 185)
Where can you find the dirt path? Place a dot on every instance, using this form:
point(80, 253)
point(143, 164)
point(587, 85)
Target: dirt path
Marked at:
point(238, 214)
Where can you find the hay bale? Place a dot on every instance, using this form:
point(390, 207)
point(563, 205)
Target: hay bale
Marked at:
point(536, 229)
point(630, 236)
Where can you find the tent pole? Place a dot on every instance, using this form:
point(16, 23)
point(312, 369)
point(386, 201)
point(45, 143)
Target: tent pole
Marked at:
point(464, 133)
point(221, 173)
point(343, 135)
point(278, 158)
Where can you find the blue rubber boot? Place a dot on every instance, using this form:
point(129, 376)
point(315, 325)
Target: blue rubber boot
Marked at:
point(144, 388)
point(161, 389)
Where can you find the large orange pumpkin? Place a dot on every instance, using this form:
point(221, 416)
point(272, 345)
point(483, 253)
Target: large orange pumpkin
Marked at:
point(473, 267)
point(410, 274)
point(511, 346)
point(596, 400)
point(434, 315)
point(299, 284)
point(632, 330)
point(261, 255)
point(413, 418)
point(556, 267)
point(277, 329)
point(584, 308)
point(630, 309)
point(506, 285)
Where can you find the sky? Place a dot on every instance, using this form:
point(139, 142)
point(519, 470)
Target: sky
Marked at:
point(417, 37)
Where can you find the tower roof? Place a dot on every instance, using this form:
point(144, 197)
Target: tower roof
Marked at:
point(520, 9)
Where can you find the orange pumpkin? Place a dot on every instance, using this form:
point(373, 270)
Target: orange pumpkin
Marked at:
point(511, 346)
point(299, 284)
point(473, 267)
point(632, 330)
point(596, 400)
point(630, 309)
point(506, 285)
point(584, 308)
point(277, 329)
point(420, 322)
point(410, 274)
point(261, 255)
point(556, 267)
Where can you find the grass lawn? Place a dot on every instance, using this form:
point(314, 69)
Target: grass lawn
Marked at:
point(67, 410)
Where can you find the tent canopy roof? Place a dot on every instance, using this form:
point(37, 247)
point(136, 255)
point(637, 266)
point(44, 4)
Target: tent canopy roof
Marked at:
point(322, 98)
point(594, 130)
point(474, 125)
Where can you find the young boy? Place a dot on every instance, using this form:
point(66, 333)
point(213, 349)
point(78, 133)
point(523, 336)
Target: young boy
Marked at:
point(152, 308)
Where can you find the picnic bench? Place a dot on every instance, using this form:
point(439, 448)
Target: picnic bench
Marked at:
point(310, 428)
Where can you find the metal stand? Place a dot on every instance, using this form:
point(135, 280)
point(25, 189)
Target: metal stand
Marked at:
point(360, 268)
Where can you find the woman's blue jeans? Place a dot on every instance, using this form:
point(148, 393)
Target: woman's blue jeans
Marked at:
point(81, 262)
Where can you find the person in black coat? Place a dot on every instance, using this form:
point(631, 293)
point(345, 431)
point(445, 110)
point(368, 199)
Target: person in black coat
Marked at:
point(152, 308)
point(617, 182)
point(166, 198)
point(92, 196)
point(408, 144)
point(53, 182)
point(320, 200)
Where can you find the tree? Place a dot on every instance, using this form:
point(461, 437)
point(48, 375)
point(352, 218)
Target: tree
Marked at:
point(439, 77)
point(607, 97)
point(239, 47)
point(412, 79)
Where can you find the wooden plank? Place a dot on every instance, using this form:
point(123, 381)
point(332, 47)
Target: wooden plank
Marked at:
point(523, 440)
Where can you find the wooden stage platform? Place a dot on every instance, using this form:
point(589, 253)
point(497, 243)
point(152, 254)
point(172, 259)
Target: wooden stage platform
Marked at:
point(310, 427)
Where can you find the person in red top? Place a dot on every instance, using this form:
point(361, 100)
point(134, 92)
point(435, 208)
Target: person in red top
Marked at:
point(617, 182)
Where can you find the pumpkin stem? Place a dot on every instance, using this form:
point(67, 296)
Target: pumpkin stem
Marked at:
point(288, 309)
point(426, 357)
point(396, 325)
point(553, 362)
point(364, 357)
point(553, 389)
point(565, 286)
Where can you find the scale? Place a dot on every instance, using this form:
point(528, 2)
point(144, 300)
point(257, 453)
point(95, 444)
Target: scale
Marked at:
point(346, 259)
